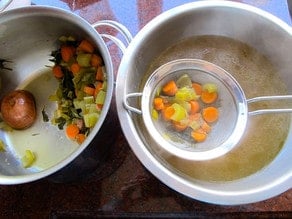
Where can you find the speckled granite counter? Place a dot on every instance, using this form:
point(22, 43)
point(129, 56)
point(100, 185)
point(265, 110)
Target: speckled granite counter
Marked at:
point(121, 186)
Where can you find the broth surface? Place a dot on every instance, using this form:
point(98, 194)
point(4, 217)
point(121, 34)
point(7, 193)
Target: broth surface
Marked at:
point(264, 135)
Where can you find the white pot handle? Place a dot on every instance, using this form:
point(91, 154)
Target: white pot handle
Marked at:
point(4, 4)
point(120, 28)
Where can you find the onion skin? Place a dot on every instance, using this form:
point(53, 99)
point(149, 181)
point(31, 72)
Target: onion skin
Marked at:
point(18, 109)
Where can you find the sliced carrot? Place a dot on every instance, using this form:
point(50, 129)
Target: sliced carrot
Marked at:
point(170, 88)
point(80, 138)
point(198, 88)
point(57, 71)
point(75, 68)
point(207, 97)
point(158, 103)
point(199, 136)
point(86, 46)
point(72, 130)
point(195, 106)
point(210, 114)
point(179, 126)
point(89, 90)
point(167, 113)
point(99, 74)
point(96, 60)
point(67, 52)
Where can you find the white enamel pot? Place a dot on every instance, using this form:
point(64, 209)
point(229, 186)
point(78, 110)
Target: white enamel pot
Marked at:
point(28, 35)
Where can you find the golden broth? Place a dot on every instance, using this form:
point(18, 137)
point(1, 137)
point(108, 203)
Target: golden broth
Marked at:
point(264, 135)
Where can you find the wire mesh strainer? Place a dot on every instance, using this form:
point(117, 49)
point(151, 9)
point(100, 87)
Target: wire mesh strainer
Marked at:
point(232, 105)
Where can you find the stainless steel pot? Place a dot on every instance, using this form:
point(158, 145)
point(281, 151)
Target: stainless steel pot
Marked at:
point(260, 30)
point(27, 37)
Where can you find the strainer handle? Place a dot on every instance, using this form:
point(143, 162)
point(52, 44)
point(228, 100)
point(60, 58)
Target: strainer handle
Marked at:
point(268, 98)
point(127, 105)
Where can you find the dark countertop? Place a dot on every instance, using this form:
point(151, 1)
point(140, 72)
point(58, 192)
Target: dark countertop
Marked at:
point(120, 186)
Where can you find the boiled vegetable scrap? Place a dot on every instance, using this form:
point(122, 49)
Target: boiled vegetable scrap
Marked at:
point(190, 107)
point(80, 70)
point(28, 159)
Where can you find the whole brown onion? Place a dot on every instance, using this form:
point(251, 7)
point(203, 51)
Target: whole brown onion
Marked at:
point(18, 109)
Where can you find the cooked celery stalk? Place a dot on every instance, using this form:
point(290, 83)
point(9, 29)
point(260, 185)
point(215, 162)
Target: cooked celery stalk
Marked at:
point(186, 94)
point(100, 97)
point(184, 104)
point(154, 114)
point(90, 108)
point(90, 119)
point(104, 85)
point(184, 81)
point(28, 159)
point(88, 99)
point(158, 91)
point(210, 87)
point(194, 125)
point(83, 59)
point(2, 146)
point(78, 104)
point(180, 112)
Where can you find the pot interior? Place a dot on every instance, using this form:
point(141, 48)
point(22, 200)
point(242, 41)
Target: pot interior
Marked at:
point(28, 36)
point(253, 47)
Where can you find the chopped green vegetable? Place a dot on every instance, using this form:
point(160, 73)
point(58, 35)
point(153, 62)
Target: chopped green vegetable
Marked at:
point(28, 159)
point(90, 108)
point(78, 104)
point(158, 91)
point(184, 104)
point(83, 59)
point(210, 87)
point(186, 94)
point(154, 114)
point(90, 119)
point(2, 146)
point(88, 99)
point(81, 93)
point(179, 112)
point(184, 81)
point(194, 125)
point(100, 98)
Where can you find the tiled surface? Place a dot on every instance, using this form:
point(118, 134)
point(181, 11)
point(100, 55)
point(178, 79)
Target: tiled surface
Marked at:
point(121, 186)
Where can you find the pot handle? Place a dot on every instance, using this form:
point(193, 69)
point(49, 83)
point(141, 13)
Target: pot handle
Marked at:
point(120, 28)
point(131, 108)
point(4, 4)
